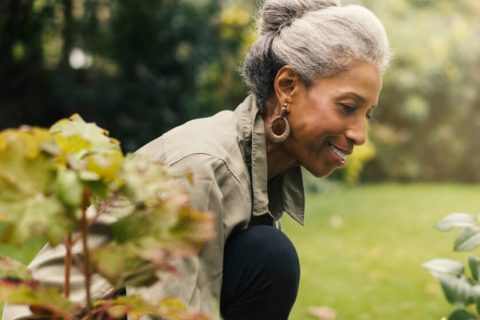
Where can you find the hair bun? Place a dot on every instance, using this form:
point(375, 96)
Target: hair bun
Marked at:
point(277, 14)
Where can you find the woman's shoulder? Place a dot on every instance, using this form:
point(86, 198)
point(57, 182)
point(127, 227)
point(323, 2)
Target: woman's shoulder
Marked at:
point(216, 137)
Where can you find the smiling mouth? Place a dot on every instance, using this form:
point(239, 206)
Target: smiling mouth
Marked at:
point(340, 154)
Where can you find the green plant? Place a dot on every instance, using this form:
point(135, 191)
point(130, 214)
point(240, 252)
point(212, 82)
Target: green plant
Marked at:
point(461, 290)
point(56, 183)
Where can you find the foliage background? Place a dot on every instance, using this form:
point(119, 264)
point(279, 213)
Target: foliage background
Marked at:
point(140, 68)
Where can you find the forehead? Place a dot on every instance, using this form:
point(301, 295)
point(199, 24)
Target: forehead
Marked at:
point(362, 79)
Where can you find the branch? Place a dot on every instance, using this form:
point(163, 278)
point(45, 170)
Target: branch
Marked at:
point(103, 207)
point(86, 254)
point(68, 264)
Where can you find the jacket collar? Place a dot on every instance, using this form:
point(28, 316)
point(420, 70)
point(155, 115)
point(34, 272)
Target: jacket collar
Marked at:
point(282, 193)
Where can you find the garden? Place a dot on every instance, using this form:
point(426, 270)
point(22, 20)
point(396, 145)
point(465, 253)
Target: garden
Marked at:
point(378, 240)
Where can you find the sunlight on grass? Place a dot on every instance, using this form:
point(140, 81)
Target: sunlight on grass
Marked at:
point(362, 248)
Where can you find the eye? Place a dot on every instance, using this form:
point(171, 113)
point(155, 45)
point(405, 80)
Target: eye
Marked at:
point(348, 108)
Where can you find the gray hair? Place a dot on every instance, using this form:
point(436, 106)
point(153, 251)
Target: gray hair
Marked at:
point(318, 38)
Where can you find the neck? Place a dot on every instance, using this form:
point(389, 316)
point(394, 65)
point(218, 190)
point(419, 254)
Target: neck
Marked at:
point(278, 160)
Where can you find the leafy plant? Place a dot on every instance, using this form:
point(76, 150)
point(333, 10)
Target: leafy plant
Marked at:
point(461, 290)
point(56, 183)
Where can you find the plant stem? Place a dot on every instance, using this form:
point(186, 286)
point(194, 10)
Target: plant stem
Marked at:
point(105, 206)
point(68, 264)
point(86, 255)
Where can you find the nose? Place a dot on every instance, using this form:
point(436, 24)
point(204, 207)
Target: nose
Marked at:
point(357, 132)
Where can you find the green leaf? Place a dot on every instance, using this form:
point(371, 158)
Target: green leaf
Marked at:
point(474, 264)
point(36, 216)
point(87, 149)
point(23, 173)
point(13, 270)
point(461, 315)
point(467, 240)
point(148, 181)
point(133, 305)
point(173, 308)
point(456, 220)
point(122, 264)
point(28, 203)
point(194, 227)
point(445, 266)
point(33, 294)
point(458, 290)
point(140, 224)
point(69, 188)
point(84, 135)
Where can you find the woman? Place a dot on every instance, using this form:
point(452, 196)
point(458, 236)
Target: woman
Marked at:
point(315, 77)
point(315, 74)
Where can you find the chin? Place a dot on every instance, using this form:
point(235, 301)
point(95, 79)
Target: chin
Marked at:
point(320, 172)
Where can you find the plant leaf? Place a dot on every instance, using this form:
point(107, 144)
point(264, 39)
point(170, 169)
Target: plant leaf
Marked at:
point(87, 149)
point(456, 220)
point(461, 314)
point(13, 270)
point(148, 181)
point(21, 175)
point(86, 135)
point(458, 290)
point(33, 294)
point(28, 203)
point(474, 264)
point(467, 240)
point(446, 266)
point(35, 216)
point(69, 188)
point(121, 264)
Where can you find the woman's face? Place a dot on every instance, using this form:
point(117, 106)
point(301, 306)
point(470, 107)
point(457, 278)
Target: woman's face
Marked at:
point(329, 118)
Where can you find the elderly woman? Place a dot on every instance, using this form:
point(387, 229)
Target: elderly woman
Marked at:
point(315, 76)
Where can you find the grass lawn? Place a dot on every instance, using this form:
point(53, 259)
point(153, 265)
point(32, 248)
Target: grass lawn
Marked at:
point(362, 248)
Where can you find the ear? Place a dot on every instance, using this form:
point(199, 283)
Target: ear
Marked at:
point(286, 83)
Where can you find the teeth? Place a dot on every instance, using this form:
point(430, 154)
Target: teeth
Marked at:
point(339, 153)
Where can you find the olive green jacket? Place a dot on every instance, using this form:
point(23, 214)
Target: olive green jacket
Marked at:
point(227, 155)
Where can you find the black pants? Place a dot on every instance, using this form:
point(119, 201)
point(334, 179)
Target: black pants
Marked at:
point(261, 273)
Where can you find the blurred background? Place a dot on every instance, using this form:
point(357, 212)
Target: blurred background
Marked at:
point(141, 67)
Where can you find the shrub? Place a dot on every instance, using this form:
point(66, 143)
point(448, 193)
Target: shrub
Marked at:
point(57, 182)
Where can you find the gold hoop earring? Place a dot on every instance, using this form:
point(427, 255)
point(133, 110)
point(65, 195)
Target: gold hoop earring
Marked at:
point(279, 138)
